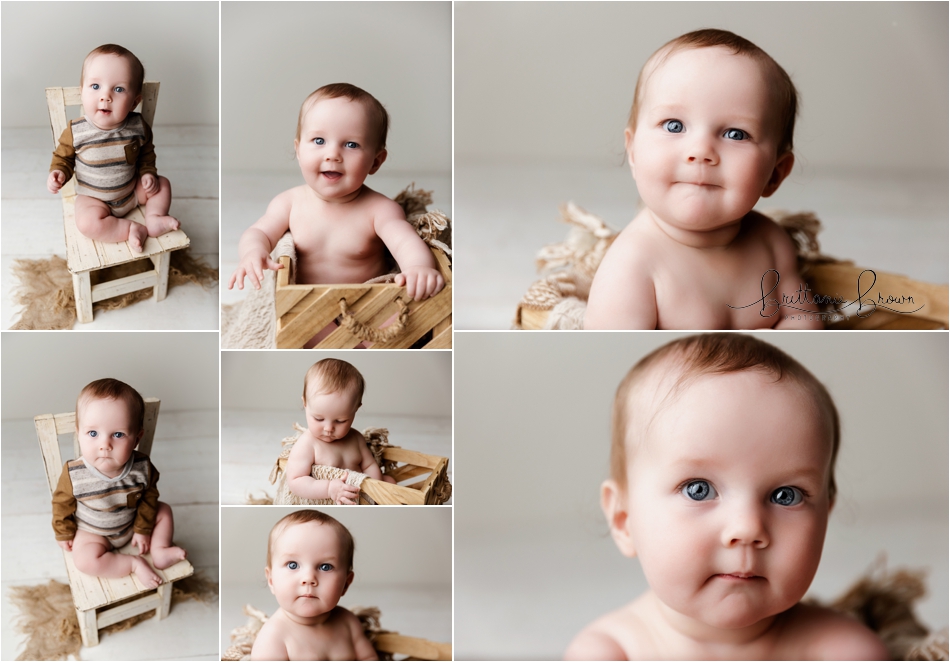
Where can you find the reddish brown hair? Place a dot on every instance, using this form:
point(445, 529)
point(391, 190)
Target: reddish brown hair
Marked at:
point(347, 545)
point(335, 376)
point(138, 71)
point(714, 354)
point(378, 117)
point(113, 389)
point(783, 90)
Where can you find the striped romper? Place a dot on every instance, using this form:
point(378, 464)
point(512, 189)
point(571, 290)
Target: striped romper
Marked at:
point(107, 164)
point(113, 508)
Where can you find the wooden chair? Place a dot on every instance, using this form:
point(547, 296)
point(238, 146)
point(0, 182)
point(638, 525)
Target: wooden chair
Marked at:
point(303, 310)
point(99, 601)
point(85, 255)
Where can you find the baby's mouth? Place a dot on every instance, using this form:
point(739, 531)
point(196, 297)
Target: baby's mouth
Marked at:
point(739, 576)
point(332, 175)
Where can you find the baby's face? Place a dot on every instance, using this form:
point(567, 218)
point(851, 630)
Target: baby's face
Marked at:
point(105, 437)
point(330, 415)
point(308, 574)
point(106, 97)
point(704, 150)
point(337, 149)
point(727, 499)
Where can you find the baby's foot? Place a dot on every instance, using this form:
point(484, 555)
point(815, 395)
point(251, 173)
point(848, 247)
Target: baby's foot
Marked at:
point(138, 233)
point(165, 557)
point(145, 574)
point(159, 225)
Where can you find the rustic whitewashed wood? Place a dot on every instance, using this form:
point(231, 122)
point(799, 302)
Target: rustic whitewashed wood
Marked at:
point(119, 286)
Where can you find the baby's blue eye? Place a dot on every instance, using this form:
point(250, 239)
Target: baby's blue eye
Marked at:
point(787, 496)
point(118, 435)
point(93, 434)
point(326, 567)
point(120, 90)
point(736, 134)
point(351, 145)
point(699, 490)
point(318, 141)
point(292, 565)
point(673, 126)
point(95, 86)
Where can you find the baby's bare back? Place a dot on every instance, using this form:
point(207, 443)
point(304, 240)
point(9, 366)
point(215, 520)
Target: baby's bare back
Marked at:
point(337, 242)
point(649, 280)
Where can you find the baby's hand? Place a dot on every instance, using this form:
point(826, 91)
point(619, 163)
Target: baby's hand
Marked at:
point(150, 183)
point(253, 265)
point(141, 541)
point(65, 544)
point(55, 181)
point(421, 282)
point(341, 493)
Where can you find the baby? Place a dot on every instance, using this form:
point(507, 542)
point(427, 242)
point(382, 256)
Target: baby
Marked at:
point(109, 495)
point(110, 151)
point(332, 393)
point(341, 228)
point(722, 480)
point(710, 132)
point(309, 567)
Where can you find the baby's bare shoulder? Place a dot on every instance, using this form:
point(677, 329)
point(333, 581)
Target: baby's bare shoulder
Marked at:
point(382, 207)
point(619, 635)
point(269, 643)
point(822, 634)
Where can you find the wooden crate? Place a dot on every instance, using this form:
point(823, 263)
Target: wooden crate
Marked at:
point(429, 490)
point(85, 255)
point(303, 310)
point(838, 278)
point(414, 647)
point(100, 601)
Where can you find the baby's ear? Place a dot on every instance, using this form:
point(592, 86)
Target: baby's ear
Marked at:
point(782, 169)
point(628, 146)
point(378, 161)
point(614, 504)
point(270, 583)
point(349, 580)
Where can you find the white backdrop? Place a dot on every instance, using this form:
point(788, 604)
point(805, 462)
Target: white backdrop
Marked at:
point(276, 53)
point(44, 44)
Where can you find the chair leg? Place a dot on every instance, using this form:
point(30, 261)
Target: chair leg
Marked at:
point(87, 627)
point(161, 261)
point(165, 593)
point(82, 291)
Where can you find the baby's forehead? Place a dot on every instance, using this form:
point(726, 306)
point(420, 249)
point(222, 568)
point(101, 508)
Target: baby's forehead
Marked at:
point(311, 530)
point(337, 107)
point(98, 57)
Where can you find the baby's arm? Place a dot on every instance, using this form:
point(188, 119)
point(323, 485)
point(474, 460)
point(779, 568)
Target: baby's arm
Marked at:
point(622, 294)
point(146, 512)
point(786, 263)
point(419, 273)
point(64, 509)
point(361, 646)
point(368, 464)
point(301, 483)
point(259, 240)
point(64, 160)
point(269, 645)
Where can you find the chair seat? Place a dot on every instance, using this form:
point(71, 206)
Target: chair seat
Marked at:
point(84, 254)
point(96, 592)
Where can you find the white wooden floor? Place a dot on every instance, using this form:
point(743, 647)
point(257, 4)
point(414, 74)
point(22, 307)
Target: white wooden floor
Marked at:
point(32, 225)
point(893, 222)
point(250, 444)
point(185, 452)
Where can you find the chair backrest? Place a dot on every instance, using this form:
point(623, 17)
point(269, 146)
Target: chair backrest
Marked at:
point(50, 426)
point(57, 98)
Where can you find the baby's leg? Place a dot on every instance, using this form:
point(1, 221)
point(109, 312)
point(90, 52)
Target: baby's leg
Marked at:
point(94, 219)
point(389, 479)
point(164, 554)
point(157, 204)
point(93, 555)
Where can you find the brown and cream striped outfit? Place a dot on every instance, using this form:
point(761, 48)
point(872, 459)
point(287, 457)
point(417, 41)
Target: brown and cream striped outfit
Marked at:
point(107, 164)
point(113, 508)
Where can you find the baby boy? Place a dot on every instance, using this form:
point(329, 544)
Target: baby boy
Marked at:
point(728, 520)
point(332, 394)
point(110, 151)
point(309, 567)
point(109, 496)
point(341, 228)
point(710, 132)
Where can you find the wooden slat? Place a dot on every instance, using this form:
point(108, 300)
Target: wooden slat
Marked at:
point(149, 424)
point(379, 304)
point(146, 603)
point(120, 286)
point(283, 275)
point(441, 339)
point(73, 95)
point(81, 253)
point(388, 494)
point(427, 483)
point(82, 296)
point(162, 263)
point(533, 319)
point(408, 471)
point(412, 457)
point(65, 422)
point(289, 296)
point(56, 105)
point(149, 100)
point(172, 241)
point(316, 314)
point(49, 445)
point(423, 317)
point(414, 647)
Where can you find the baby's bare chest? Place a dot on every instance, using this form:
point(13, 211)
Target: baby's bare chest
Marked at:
point(320, 643)
point(334, 230)
point(342, 454)
point(716, 290)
